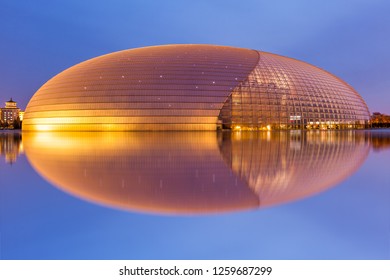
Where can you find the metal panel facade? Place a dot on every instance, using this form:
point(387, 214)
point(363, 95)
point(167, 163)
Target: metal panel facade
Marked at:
point(193, 87)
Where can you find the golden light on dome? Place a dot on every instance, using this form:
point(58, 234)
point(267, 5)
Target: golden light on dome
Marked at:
point(194, 87)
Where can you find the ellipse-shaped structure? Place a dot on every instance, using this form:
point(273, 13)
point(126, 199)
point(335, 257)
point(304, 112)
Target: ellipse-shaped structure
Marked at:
point(197, 172)
point(194, 87)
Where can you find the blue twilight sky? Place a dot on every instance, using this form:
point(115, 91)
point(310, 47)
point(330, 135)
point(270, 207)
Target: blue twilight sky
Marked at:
point(349, 38)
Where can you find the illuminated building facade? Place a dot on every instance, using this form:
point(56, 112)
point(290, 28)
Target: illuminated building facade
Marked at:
point(194, 87)
point(10, 112)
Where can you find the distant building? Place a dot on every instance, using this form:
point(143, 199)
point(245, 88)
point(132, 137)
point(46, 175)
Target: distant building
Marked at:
point(10, 113)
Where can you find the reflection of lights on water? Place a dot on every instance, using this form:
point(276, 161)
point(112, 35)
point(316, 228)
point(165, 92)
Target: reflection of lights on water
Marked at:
point(268, 136)
point(183, 173)
point(11, 146)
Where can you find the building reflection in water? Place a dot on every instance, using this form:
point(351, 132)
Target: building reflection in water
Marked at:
point(379, 139)
point(195, 172)
point(10, 146)
point(281, 167)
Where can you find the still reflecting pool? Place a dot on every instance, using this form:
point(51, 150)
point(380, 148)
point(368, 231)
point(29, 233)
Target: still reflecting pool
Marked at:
point(321, 195)
point(195, 172)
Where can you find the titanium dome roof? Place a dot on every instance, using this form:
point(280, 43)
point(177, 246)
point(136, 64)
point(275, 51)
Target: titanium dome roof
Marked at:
point(193, 87)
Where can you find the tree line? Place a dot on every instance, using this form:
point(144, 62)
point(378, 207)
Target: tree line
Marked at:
point(380, 120)
point(16, 124)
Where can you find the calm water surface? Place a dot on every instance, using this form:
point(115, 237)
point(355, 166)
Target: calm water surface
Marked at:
point(197, 195)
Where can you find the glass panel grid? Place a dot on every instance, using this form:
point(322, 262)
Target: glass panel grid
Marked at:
point(292, 88)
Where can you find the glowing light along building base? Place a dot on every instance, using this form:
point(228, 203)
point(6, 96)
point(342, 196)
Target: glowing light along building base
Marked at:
point(194, 87)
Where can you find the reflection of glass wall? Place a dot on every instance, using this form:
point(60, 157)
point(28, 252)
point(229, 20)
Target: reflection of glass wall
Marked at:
point(195, 172)
point(282, 166)
point(10, 146)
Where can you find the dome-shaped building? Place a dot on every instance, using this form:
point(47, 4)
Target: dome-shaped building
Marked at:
point(194, 87)
point(197, 172)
